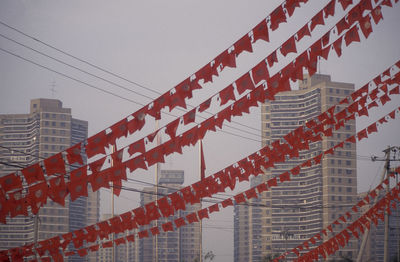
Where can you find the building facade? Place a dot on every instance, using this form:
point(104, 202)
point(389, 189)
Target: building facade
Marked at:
point(182, 244)
point(291, 213)
point(28, 138)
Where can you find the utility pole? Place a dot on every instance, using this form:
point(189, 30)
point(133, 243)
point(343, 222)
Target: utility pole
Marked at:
point(112, 209)
point(385, 174)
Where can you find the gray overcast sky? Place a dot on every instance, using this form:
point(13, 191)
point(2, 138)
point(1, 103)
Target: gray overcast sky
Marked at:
point(158, 44)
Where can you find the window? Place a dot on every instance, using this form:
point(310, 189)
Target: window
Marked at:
point(349, 172)
point(348, 189)
point(348, 162)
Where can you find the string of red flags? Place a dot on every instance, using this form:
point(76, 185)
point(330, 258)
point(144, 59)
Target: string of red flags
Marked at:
point(101, 178)
point(177, 95)
point(56, 246)
point(266, 157)
point(57, 188)
point(356, 229)
point(96, 144)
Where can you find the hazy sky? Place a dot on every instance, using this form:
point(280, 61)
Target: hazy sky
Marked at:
point(160, 43)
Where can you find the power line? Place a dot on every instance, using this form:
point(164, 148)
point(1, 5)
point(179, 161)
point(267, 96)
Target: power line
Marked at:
point(109, 92)
point(121, 86)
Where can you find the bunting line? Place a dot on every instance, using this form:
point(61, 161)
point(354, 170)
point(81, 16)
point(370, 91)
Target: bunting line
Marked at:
point(55, 164)
point(116, 223)
point(96, 144)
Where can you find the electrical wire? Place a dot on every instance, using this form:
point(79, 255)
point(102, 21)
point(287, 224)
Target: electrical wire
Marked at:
point(106, 91)
point(123, 87)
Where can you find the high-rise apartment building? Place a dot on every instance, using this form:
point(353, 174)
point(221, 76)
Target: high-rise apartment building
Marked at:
point(291, 213)
point(182, 244)
point(28, 138)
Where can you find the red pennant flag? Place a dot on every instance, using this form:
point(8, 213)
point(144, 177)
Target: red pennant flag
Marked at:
point(243, 44)
point(277, 17)
point(303, 32)
point(155, 155)
point(213, 208)
point(384, 99)
point(289, 46)
point(78, 188)
point(192, 218)
point(151, 212)
point(395, 91)
point(177, 100)
point(58, 190)
point(33, 173)
point(260, 72)
point(312, 64)
point(291, 6)
point(272, 182)
point(345, 3)
point(244, 83)
point(365, 5)
point(167, 227)
point(95, 144)
point(189, 117)
point(138, 146)
point(227, 202)
point(226, 94)
point(37, 196)
point(164, 206)
point(261, 31)
point(143, 234)
point(74, 154)
point(318, 19)
point(99, 180)
point(337, 45)
point(140, 216)
point(354, 15)
point(330, 9)
point(54, 165)
point(226, 59)
point(203, 213)
point(372, 128)
point(119, 129)
point(352, 36)
point(10, 182)
point(177, 201)
point(205, 105)
point(138, 120)
point(135, 163)
point(17, 205)
point(341, 26)
point(251, 193)
point(239, 198)
point(325, 38)
point(284, 177)
point(261, 188)
point(272, 58)
point(377, 14)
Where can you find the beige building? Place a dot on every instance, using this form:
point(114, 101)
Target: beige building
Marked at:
point(180, 245)
point(28, 138)
point(296, 210)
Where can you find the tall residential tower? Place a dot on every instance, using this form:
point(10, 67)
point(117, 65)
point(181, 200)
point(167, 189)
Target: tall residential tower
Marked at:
point(291, 213)
point(28, 138)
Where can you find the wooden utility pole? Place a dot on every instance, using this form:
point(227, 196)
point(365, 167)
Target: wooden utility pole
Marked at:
point(385, 174)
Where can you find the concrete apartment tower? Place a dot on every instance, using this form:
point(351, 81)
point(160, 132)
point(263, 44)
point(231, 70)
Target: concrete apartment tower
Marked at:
point(296, 210)
point(182, 244)
point(28, 138)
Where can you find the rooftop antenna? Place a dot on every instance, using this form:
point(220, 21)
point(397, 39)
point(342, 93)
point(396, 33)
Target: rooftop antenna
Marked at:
point(53, 88)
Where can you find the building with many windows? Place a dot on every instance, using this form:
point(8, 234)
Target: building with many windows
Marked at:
point(28, 138)
point(181, 244)
point(291, 213)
